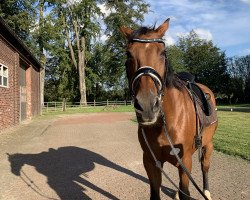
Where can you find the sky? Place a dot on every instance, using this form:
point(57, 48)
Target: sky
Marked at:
point(225, 22)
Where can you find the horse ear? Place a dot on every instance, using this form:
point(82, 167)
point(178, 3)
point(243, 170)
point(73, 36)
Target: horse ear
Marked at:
point(163, 28)
point(126, 31)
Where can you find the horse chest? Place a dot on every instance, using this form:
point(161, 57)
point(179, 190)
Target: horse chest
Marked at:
point(160, 146)
point(167, 153)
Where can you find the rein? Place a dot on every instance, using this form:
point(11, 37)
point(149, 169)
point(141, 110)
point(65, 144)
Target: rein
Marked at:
point(149, 71)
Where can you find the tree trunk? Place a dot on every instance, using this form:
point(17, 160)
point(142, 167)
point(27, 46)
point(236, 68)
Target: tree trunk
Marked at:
point(42, 77)
point(42, 57)
point(81, 70)
point(80, 44)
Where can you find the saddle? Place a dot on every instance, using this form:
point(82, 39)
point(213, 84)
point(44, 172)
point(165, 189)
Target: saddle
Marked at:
point(205, 109)
point(201, 97)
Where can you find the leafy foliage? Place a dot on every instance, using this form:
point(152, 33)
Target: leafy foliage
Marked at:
point(108, 58)
point(20, 16)
point(201, 58)
point(239, 72)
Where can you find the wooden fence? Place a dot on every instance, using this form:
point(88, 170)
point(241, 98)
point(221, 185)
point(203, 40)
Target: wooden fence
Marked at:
point(62, 106)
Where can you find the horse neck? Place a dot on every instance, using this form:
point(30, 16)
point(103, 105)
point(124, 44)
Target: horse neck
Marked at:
point(174, 101)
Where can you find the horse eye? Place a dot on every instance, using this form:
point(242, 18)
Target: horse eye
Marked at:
point(163, 53)
point(129, 55)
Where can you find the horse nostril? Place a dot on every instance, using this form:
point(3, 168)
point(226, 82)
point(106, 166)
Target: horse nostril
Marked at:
point(137, 105)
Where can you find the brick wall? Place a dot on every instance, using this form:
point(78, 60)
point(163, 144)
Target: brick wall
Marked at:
point(33, 92)
point(9, 97)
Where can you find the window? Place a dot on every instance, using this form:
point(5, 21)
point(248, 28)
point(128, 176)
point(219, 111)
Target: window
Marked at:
point(3, 76)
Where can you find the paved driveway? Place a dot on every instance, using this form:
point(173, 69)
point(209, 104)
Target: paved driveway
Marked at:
point(96, 156)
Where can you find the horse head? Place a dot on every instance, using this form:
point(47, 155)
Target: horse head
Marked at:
point(146, 71)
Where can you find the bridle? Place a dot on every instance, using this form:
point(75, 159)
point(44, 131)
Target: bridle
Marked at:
point(160, 85)
point(147, 71)
point(152, 73)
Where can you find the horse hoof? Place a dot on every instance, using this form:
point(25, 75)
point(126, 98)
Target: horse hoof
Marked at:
point(207, 194)
point(177, 196)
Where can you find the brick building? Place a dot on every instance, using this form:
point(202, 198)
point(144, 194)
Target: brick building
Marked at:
point(19, 80)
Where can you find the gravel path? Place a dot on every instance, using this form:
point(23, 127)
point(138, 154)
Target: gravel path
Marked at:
point(96, 156)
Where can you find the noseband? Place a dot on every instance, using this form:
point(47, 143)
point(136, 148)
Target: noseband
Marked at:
point(147, 71)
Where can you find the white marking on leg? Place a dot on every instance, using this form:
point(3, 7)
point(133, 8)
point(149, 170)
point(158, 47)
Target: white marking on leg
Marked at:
point(177, 196)
point(207, 194)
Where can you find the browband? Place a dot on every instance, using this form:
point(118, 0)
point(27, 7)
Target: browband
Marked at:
point(159, 40)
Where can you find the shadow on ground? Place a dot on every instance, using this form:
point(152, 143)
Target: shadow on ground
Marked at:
point(63, 167)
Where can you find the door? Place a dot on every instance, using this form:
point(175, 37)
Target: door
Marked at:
point(23, 92)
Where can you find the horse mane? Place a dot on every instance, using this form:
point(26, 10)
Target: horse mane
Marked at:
point(141, 31)
point(170, 79)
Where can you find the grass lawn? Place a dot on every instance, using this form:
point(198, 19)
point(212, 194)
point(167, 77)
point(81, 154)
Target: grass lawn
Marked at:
point(233, 134)
point(234, 105)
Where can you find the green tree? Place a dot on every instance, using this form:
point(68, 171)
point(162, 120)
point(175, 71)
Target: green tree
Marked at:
point(42, 35)
point(129, 13)
point(239, 70)
point(28, 21)
point(20, 15)
point(201, 58)
point(105, 68)
point(96, 75)
point(175, 58)
point(79, 20)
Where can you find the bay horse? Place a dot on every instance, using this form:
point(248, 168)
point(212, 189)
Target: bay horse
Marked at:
point(163, 104)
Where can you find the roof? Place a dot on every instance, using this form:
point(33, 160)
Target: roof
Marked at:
point(17, 43)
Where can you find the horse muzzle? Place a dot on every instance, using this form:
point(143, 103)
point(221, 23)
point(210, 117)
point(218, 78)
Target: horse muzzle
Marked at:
point(147, 112)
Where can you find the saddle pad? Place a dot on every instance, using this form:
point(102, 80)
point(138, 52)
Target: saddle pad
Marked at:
point(204, 119)
point(201, 98)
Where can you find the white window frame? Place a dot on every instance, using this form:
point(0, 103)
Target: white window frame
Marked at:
point(2, 76)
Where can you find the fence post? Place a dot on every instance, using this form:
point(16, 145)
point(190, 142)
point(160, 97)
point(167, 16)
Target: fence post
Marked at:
point(107, 102)
point(94, 102)
point(63, 105)
point(47, 106)
point(55, 106)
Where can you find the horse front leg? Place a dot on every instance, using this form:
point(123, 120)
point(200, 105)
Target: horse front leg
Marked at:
point(205, 164)
point(184, 180)
point(155, 177)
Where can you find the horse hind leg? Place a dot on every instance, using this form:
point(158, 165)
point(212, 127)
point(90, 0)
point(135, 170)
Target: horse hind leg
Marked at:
point(205, 164)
